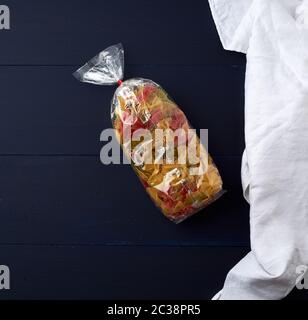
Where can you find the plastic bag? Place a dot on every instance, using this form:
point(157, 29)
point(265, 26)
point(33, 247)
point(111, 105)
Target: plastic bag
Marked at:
point(142, 114)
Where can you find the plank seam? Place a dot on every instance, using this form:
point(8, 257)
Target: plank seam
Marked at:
point(130, 65)
point(122, 244)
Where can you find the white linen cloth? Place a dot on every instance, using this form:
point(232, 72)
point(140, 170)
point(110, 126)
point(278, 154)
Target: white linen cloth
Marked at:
point(274, 35)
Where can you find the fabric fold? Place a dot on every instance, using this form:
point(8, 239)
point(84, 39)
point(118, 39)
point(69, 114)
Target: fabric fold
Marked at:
point(275, 161)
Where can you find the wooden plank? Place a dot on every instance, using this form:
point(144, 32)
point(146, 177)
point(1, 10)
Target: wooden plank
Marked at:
point(153, 32)
point(44, 110)
point(107, 272)
point(102, 272)
point(77, 200)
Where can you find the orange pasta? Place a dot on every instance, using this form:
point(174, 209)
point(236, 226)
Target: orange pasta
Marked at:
point(143, 115)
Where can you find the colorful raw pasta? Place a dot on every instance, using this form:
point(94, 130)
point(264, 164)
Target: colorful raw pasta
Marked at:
point(142, 115)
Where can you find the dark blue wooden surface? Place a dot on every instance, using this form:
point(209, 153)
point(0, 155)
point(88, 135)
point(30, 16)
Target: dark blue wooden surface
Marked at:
point(73, 228)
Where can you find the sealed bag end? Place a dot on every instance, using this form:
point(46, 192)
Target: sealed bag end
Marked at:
point(106, 68)
point(183, 217)
point(77, 75)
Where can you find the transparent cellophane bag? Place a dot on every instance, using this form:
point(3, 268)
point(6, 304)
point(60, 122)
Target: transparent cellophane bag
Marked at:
point(142, 104)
